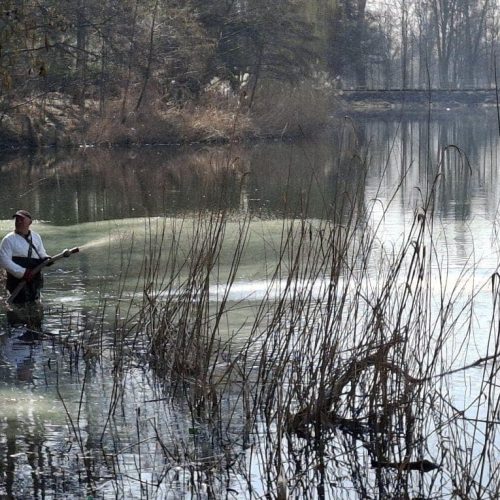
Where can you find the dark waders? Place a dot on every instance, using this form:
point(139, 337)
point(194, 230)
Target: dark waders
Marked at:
point(26, 309)
point(31, 291)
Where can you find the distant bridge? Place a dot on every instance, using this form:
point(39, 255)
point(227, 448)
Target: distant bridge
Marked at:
point(422, 96)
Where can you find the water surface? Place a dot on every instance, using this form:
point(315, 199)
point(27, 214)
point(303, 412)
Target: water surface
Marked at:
point(55, 405)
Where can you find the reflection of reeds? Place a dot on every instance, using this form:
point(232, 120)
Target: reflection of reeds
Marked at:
point(182, 327)
point(356, 369)
point(338, 381)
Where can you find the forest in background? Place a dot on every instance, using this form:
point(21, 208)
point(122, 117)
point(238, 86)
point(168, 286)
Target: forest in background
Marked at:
point(125, 71)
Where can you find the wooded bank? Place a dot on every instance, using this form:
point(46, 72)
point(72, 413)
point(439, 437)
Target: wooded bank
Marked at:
point(86, 71)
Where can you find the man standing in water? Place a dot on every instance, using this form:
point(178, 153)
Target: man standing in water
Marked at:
point(20, 252)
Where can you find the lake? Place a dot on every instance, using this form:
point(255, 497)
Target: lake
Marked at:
point(87, 411)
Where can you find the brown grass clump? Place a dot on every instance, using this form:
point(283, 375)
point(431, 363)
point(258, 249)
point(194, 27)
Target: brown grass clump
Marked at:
point(290, 110)
point(273, 110)
point(213, 123)
point(159, 123)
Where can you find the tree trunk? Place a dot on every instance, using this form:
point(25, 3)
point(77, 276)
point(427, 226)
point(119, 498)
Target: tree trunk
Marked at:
point(129, 66)
point(404, 45)
point(147, 72)
point(258, 67)
point(359, 38)
point(81, 55)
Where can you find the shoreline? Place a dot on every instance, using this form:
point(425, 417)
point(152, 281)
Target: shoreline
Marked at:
point(62, 127)
point(55, 122)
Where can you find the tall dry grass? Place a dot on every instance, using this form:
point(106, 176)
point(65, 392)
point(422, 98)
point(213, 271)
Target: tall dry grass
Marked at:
point(278, 110)
point(338, 384)
point(342, 371)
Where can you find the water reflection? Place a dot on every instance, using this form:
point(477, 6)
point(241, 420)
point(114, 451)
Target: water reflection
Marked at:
point(460, 148)
point(91, 194)
point(266, 179)
point(31, 426)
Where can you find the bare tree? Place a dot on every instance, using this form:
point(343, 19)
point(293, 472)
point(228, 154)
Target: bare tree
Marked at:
point(473, 15)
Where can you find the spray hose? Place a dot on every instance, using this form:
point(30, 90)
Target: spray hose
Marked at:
point(65, 253)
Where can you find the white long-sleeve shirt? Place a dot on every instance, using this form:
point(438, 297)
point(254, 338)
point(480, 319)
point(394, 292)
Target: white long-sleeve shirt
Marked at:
point(15, 245)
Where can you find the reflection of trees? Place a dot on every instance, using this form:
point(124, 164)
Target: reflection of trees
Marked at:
point(307, 179)
point(103, 184)
point(299, 179)
point(313, 178)
point(455, 145)
point(455, 184)
point(459, 143)
point(35, 461)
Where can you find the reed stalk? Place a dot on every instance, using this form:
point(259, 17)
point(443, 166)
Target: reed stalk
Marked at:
point(338, 383)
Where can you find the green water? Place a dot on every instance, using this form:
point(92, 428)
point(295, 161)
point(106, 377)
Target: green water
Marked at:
point(55, 404)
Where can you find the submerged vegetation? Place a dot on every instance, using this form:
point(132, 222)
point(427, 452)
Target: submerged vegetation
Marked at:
point(335, 377)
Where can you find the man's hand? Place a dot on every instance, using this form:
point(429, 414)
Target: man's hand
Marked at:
point(28, 275)
point(50, 262)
